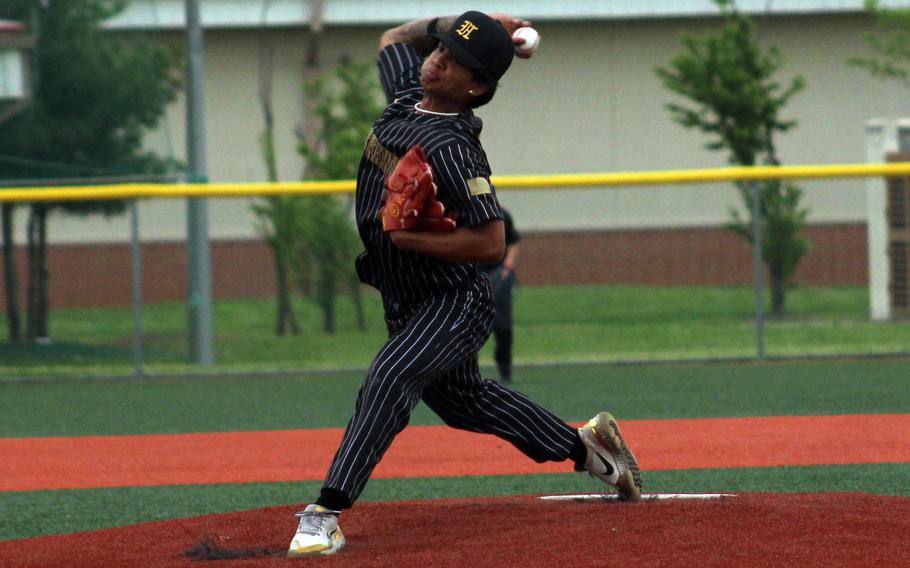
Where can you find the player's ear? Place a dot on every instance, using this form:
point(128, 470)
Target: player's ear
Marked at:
point(477, 89)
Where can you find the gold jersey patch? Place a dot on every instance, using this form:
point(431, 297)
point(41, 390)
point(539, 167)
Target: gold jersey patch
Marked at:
point(479, 186)
point(380, 155)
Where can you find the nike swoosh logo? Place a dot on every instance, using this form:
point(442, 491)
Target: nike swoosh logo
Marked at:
point(607, 465)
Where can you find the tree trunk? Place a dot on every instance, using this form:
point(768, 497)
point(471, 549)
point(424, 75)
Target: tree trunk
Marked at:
point(778, 295)
point(10, 277)
point(357, 298)
point(327, 281)
point(286, 317)
point(31, 323)
point(266, 78)
point(43, 327)
point(328, 315)
point(778, 284)
point(37, 329)
point(311, 72)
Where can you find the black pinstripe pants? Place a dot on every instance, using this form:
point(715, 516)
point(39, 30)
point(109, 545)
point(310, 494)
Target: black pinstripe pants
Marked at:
point(431, 355)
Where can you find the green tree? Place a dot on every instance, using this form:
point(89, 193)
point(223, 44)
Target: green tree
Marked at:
point(95, 94)
point(277, 217)
point(278, 223)
point(348, 104)
point(737, 102)
point(890, 58)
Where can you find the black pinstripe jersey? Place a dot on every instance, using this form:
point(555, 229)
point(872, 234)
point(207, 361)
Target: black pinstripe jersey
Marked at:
point(460, 170)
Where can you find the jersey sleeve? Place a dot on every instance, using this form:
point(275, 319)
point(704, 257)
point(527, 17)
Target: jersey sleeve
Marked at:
point(399, 69)
point(462, 177)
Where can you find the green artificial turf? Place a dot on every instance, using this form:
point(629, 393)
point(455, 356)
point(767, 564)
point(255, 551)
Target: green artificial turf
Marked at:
point(76, 408)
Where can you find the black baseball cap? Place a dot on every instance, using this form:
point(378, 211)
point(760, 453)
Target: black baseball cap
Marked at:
point(479, 42)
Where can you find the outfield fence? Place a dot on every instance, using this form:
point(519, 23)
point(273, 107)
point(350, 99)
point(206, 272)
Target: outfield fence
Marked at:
point(148, 336)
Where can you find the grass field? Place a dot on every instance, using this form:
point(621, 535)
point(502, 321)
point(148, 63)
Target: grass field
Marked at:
point(553, 325)
point(80, 408)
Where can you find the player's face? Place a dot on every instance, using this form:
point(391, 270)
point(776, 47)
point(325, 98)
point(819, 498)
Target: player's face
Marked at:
point(443, 77)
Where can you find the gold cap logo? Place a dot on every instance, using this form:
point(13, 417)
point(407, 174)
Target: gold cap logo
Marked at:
point(466, 29)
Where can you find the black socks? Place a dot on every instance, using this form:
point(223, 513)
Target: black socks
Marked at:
point(333, 499)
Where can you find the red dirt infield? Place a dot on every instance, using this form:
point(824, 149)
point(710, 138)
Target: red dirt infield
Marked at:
point(296, 455)
point(833, 529)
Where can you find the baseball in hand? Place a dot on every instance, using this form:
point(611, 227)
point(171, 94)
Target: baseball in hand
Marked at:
point(532, 40)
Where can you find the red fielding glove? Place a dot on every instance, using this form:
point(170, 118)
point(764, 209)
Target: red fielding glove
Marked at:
point(433, 217)
point(407, 189)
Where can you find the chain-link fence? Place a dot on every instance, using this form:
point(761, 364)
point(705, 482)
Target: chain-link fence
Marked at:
point(599, 280)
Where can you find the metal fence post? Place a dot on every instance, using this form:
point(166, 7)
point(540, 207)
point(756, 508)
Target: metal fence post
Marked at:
point(136, 275)
point(757, 270)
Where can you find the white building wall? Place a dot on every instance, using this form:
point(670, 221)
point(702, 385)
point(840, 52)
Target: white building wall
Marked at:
point(588, 102)
point(169, 14)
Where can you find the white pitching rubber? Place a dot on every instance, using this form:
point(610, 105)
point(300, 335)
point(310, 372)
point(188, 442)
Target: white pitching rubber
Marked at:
point(644, 496)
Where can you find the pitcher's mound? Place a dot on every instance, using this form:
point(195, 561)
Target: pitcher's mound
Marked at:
point(823, 529)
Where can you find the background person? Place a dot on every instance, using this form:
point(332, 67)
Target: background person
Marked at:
point(502, 276)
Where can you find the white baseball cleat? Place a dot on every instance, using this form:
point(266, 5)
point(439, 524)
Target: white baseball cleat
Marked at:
point(317, 533)
point(609, 459)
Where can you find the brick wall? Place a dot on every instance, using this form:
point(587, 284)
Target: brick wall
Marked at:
point(684, 257)
point(99, 275)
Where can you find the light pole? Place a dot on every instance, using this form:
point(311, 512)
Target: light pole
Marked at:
point(199, 264)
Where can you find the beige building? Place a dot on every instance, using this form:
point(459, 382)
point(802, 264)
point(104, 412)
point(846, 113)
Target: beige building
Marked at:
point(589, 101)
